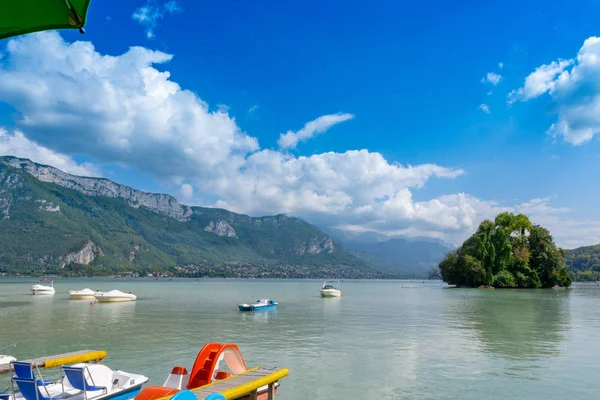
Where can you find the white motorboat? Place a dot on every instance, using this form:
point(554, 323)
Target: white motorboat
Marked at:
point(331, 289)
point(81, 381)
point(43, 289)
point(114, 296)
point(85, 294)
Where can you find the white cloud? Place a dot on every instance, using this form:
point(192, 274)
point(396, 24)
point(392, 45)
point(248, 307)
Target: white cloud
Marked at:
point(117, 109)
point(252, 109)
point(355, 185)
point(540, 81)
point(500, 65)
point(74, 100)
point(485, 108)
point(291, 139)
point(149, 14)
point(186, 191)
point(574, 89)
point(492, 78)
point(16, 144)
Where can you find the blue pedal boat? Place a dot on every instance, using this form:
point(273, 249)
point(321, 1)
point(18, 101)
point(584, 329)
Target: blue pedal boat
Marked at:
point(262, 304)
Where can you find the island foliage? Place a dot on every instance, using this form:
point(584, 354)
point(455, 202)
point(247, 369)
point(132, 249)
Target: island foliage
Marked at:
point(509, 252)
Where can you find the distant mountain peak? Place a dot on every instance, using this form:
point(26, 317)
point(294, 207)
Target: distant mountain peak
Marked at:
point(160, 203)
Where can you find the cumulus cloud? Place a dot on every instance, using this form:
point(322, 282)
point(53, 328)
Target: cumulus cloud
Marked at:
point(16, 144)
point(290, 139)
point(121, 109)
point(117, 109)
point(354, 185)
point(149, 14)
point(492, 78)
point(186, 191)
point(485, 108)
point(573, 87)
point(540, 81)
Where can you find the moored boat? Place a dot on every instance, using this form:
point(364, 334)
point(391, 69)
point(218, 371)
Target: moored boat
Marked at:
point(207, 377)
point(262, 304)
point(81, 381)
point(43, 289)
point(84, 294)
point(331, 289)
point(114, 296)
point(6, 359)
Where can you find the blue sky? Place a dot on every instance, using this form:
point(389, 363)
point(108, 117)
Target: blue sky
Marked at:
point(408, 76)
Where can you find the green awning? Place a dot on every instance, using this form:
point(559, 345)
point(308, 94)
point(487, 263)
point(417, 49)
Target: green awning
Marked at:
point(26, 16)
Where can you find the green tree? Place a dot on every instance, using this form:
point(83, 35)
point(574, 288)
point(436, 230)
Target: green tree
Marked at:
point(507, 252)
point(546, 259)
point(504, 279)
point(503, 250)
point(449, 269)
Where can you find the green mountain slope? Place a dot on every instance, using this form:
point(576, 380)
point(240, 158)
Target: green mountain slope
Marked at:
point(584, 263)
point(53, 222)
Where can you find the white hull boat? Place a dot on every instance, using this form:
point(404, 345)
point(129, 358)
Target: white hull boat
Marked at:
point(114, 296)
point(5, 359)
point(331, 289)
point(81, 381)
point(43, 289)
point(85, 294)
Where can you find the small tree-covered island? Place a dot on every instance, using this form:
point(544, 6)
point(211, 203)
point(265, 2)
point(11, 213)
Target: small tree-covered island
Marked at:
point(509, 252)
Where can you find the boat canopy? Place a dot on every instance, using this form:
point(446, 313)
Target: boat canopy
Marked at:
point(62, 359)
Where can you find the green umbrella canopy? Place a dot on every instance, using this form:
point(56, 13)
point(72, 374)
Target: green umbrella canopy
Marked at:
point(26, 16)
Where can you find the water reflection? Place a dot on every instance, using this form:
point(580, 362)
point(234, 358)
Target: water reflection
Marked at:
point(521, 325)
point(115, 313)
point(260, 315)
point(331, 306)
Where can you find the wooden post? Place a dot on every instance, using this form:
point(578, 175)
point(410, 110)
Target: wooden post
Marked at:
point(254, 395)
point(271, 391)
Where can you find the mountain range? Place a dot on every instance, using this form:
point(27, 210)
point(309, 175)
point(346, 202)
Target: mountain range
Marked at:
point(411, 258)
point(55, 222)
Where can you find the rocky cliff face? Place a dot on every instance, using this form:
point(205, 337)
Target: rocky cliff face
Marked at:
point(316, 246)
point(159, 203)
point(84, 256)
point(221, 228)
point(8, 182)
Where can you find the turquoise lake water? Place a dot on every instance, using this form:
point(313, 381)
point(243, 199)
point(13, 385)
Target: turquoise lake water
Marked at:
point(381, 340)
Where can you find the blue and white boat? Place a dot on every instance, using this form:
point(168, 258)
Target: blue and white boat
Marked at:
point(262, 304)
point(81, 381)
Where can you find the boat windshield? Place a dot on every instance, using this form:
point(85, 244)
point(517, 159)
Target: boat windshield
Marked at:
point(330, 285)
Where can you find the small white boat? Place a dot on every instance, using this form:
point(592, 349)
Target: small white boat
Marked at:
point(114, 296)
point(43, 289)
point(331, 289)
point(85, 294)
point(6, 359)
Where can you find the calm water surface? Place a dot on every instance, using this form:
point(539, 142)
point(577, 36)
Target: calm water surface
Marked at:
point(381, 340)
